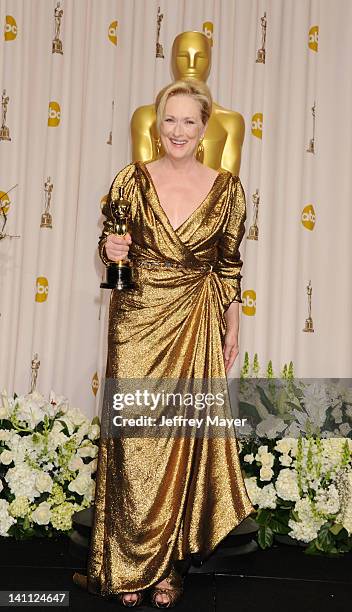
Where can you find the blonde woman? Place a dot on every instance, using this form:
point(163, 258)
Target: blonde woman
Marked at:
point(161, 499)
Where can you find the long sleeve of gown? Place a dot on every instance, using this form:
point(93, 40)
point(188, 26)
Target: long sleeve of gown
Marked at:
point(229, 263)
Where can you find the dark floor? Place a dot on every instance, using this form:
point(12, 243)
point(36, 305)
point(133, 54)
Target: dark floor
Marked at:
point(282, 578)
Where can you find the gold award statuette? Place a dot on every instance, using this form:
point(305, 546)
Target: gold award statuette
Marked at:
point(261, 52)
point(311, 146)
point(57, 43)
point(4, 130)
point(309, 327)
point(254, 230)
point(46, 218)
point(119, 274)
point(159, 52)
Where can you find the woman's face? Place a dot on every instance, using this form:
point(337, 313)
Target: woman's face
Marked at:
point(181, 127)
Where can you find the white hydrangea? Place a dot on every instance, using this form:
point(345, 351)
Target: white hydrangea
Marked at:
point(266, 497)
point(43, 483)
point(252, 489)
point(286, 485)
point(21, 480)
point(6, 520)
point(327, 500)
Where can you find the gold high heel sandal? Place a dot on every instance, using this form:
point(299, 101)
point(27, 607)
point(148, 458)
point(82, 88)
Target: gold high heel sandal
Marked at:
point(173, 592)
point(131, 603)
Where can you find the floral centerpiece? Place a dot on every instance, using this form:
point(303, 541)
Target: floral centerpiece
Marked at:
point(297, 465)
point(48, 458)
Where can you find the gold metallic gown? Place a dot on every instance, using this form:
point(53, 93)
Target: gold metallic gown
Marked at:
point(159, 500)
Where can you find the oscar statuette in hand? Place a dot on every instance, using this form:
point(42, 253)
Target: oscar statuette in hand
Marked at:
point(119, 274)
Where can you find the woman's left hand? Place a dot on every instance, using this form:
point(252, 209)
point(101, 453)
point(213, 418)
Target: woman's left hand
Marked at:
point(231, 349)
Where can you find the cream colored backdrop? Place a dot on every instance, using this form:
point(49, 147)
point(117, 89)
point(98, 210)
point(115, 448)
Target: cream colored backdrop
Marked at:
point(109, 55)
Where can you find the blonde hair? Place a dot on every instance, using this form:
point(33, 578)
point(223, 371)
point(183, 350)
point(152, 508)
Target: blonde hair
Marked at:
point(198, 90)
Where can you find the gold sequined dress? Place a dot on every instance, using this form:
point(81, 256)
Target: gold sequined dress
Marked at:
point(158, 500)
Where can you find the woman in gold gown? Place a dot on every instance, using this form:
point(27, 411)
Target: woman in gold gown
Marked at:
point(161, 499)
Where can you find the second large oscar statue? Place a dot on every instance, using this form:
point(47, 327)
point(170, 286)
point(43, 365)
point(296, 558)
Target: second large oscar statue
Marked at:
point(119, 274)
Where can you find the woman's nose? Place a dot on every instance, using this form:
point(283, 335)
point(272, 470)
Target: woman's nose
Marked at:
point(178, 129)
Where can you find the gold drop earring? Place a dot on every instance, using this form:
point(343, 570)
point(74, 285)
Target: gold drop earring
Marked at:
point(200, 150)
point(158, 147)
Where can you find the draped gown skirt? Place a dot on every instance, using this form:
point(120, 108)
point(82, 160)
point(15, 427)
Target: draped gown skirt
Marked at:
point(160, 499)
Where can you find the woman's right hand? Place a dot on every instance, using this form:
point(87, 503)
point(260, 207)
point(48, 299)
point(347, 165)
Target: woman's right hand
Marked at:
point(116, 247)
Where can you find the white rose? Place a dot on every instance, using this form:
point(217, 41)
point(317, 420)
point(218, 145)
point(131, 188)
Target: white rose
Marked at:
point(81, 484)
point(249, 458)
point(43, 483)
point(1, 485)
point(285, 460)
point(41, 514)
point(266, 473)
point(75, 463)
point(6, 457)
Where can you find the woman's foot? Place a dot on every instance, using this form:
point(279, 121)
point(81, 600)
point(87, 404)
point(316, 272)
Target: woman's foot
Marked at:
point(131, 600)
point(167, 592)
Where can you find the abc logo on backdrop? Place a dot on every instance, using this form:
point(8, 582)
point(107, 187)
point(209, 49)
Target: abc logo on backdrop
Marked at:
point(257, 125)
point(54, 114)
point(208, 30)
point(42, 289)
point(249, 302)
point(4, 202)
point(308, 217)
point(112, 32)
point(10, 28)
point(313, 38)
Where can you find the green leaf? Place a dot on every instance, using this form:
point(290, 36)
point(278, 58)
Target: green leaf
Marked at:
point(312, 549)
point(265, 537)
point(336, 528)
point(265, 401)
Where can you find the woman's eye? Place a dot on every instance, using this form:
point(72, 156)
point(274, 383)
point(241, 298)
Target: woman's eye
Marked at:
point(190, 122)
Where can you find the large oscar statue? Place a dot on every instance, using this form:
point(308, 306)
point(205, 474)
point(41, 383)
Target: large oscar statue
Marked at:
point(191, 59)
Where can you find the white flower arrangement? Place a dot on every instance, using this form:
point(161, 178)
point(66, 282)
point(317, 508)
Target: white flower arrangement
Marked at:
point(48, 458)
point(301, 488)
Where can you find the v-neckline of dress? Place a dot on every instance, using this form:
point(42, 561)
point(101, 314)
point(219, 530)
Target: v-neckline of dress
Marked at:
point(196, 210)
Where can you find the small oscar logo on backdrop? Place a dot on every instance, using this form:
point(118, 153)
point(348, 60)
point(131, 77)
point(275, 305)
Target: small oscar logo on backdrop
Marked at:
point(261, 52)
point(208, 29)
point(10, 32)
point(54, 114)
point(311, 146)
point(257, 125)
point(46, 219)
point(42, 289)
point(313, 38)
point(309, 327)
point(249, 302)
point(254, 230)
point(112, 32)
point(308, 217)
point(109, 140)
point(95, 383)
point(159, 50)
point(4, 130)
point(57, 43)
